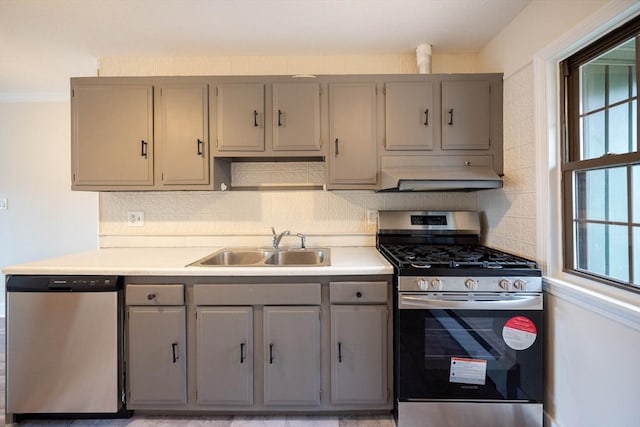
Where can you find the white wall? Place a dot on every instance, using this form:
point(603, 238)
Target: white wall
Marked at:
point(591, 335)
point(44, 217)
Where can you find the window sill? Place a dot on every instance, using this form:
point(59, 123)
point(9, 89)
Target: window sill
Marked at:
point(612, 303)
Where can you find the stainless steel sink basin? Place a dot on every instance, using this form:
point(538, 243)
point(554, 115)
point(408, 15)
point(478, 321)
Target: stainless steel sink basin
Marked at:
point(265, 257)
point(229, 257)
point(299, 257)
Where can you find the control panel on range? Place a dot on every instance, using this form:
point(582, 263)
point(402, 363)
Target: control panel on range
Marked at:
point(467, 284)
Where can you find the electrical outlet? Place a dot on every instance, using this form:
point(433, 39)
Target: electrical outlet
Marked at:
point(4, 203)
point(372, 217)
point(135, 218)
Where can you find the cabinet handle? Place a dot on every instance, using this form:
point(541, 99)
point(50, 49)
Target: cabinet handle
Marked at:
point(174, 351)
point(143, 148)
point(450, 117)
point(337, 151)
point(255, 118)
point(200, 147)
point(279, 117)
point(271, 354)
point(426, 117)
point(358, 294)
point(339, 352)
point(151, 296)
point(241, 352)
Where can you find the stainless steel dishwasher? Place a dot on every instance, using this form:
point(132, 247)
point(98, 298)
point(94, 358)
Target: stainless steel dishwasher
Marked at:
point(64, 341)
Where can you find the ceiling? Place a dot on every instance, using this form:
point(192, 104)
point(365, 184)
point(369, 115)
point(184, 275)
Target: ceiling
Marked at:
point(44, 42)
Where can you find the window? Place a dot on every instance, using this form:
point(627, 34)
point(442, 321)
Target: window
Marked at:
point(601, 161)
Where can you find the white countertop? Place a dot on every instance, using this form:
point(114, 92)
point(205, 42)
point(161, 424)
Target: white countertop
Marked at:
point(174, 261)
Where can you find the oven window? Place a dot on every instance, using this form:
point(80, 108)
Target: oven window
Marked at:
point(450, 335)
point(430, 341)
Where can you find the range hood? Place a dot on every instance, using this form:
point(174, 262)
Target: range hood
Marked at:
point(443, 174)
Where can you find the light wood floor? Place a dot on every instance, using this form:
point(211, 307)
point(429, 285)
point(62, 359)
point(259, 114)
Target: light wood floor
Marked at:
point(235, 421)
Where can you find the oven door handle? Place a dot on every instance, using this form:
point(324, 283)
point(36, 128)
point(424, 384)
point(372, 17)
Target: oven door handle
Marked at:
point(520, 302)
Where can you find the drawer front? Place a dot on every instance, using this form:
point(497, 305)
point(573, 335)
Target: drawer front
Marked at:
point(258, 294)
point(358, 292)
point(154, 294)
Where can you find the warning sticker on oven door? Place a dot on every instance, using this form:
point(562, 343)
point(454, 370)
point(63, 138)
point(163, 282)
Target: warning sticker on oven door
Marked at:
point(468, 371)
point(519, 333)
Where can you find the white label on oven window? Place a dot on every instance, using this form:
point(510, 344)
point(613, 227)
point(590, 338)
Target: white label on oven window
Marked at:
point(468, 371)
point(519, 333)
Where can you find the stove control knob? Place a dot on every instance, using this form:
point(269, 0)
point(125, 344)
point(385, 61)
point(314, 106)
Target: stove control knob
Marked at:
point(505, 284)
point(471, 284)
point(520, 284)
point(423, 284)
point(436, 284)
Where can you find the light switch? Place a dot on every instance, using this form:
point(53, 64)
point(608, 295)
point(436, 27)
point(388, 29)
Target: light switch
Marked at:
point(4, 203)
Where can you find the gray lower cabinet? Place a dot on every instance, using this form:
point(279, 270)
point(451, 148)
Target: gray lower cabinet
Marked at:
point(224, 346)
point(291, 355)
point(156, 363)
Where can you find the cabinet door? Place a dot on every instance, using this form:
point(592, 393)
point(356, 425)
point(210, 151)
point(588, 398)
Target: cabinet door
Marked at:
point(225, 355)
point(240, 116)
point(409, 116)
point(184, 134)
point(157, 367)
point(292, 355)
point(465, 115)
point(296, 116)
point(112, 135)
point(352, 133)
point(359, 354)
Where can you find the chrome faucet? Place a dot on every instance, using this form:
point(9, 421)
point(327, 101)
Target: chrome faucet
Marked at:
point(278, 236)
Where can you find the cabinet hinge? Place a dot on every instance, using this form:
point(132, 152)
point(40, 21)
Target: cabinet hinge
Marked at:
point(320, 90)
point(196, 314)
point(73, 177)
point(216, 90)
point(384, 90)
point(388, 315)
point(160, 91)
point(73, 93)
point(320, 395)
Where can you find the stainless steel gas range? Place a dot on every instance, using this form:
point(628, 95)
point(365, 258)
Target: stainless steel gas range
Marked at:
point(468, 324)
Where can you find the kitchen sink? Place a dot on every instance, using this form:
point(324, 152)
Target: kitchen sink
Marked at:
point(228, 257)
point(298, 257)
point(265, 257)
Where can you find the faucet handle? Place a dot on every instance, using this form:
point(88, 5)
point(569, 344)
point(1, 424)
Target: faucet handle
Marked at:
point(302, 240)
point(273, 230)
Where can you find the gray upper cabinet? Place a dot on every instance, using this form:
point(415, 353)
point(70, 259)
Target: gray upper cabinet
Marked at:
point(466, 116)
point(410, 116)
point(224, 355)
point(359, 354)
point(291, 355)
point(183, 134)
point(156, 365)
point(112, 135)
point(296, 116)
point(352, 133)
point(240, 117)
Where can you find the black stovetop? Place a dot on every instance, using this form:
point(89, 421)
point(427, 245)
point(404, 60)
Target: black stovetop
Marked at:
point(454, 256)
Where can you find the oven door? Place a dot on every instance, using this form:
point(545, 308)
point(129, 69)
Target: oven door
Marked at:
point(484, 347)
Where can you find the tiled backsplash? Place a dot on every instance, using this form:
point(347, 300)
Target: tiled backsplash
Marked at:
point(511, 211)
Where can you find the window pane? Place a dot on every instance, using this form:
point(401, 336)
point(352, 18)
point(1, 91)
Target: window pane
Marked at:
point(593, 131)
point(635, 174)
point(593, 87)
point(619, 129)
point(602, 249)
point(619, 83)
point(636, 256)
point(601, 195)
